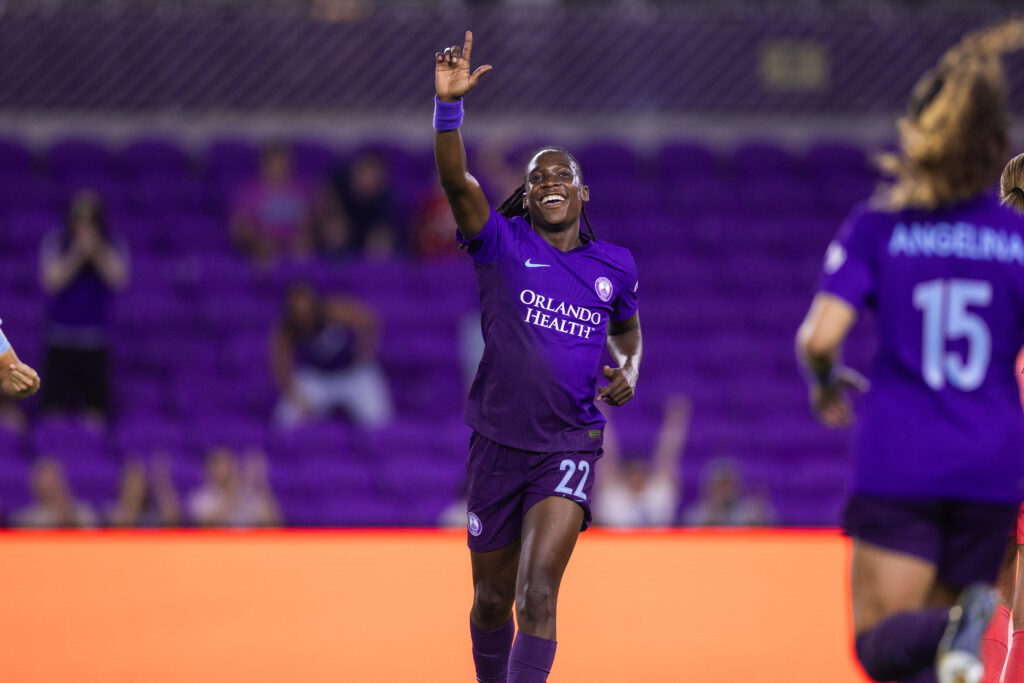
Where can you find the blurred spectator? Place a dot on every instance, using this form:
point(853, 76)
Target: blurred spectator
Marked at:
point(722, 502)
point(636, 492)
point(82, 267)
point(233, 494)
point(434, 229)
point(363, 210)
point(273, 215)
point(55, 507)
point(12, 417)
point(146, 499)
point(323, 357)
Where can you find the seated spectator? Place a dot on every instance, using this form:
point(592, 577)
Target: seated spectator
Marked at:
point(83, 266)
point(323, 358)
point(272, 216)
point(640, 492)
point(234, 495)
point(12, 417)
point(146, 499)
point(55, 507)
point(722, 502)
point(364, 205)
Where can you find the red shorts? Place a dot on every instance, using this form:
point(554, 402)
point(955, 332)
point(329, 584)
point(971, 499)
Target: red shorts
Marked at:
point(1019, 531)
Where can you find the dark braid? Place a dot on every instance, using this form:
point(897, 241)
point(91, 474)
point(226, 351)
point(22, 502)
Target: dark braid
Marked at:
point(513, 206)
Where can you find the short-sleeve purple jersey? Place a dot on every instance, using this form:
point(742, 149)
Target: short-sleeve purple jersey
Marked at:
point(545, 318)
point(943, 417)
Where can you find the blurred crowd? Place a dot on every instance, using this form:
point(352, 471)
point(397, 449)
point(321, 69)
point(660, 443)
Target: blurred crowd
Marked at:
point(322, 358)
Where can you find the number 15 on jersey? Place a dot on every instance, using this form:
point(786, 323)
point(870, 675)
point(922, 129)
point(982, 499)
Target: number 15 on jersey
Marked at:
point(946, 317)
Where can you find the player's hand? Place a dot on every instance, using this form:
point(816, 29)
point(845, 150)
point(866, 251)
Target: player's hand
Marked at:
point(21, 381)
point(452, 78)
point(830, 403)
point(621, 386)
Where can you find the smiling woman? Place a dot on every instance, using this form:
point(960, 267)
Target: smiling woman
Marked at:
point(536, 430)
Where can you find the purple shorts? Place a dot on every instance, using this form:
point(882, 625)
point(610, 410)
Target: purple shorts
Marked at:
point(964, 540)
point(505, 482)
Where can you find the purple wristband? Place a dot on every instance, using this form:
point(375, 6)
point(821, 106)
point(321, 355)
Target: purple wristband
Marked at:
point(447, 115)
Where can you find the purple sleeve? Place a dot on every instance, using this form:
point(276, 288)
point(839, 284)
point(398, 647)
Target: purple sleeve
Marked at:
point(847, 272)
point(492, 240)
point(625, 304)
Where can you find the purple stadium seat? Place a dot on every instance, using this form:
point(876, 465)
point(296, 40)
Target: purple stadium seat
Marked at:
point(69, 440)
point(235, 433)
point(313, 159)
point(93, 479)
point(142, 435)
point(72, 156)
point(686, 158)
point(16, 158)
point(314, 440)
point(837, 157)
point(756, 160)
point(141, 396)
point(15, 481)
point(408, 474)
point(12, 445)
point(24, 194)
point(232, 157)
point(607, 159)
point(146, 155)
point(168, 194)
point(112, 191)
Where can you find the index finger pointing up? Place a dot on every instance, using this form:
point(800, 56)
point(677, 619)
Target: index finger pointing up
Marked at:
point(467, 46)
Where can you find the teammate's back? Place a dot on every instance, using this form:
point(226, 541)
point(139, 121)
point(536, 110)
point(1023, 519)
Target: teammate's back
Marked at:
point(948, 289)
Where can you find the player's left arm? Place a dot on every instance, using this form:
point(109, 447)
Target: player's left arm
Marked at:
point(819, 343)
point(625, 343)
point(17, 379)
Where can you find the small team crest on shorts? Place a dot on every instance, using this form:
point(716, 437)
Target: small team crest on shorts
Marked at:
point(604, 288)
point(475, 525)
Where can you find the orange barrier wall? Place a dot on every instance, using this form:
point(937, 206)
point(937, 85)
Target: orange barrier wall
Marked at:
point(758, 607)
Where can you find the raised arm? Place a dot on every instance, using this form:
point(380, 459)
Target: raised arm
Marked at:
point(675, 427)
point(626, 346)
point(819, 342)
point(452, 80)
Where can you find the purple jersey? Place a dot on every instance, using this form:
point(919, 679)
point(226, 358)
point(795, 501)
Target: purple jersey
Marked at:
point(545, 316)
point(943, 418)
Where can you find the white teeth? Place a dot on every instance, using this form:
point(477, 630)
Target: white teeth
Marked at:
point(551, 198)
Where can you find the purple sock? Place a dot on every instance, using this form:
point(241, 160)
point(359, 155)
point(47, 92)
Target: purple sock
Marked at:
point(902, 646)
point(491, 650)
point(926, 676)
point(531, 659)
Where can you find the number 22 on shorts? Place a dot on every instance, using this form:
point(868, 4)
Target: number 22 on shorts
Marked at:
point(570, 467)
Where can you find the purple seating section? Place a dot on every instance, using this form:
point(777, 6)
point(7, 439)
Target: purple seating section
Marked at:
point(728, 246)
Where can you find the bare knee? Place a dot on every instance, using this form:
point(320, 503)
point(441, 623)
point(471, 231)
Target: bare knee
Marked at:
point(492, 604)
point(535, 605)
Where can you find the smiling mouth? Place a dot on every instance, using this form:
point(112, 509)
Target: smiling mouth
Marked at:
point(552, 200)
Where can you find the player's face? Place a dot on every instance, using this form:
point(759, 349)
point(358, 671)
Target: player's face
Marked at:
point(554, 191)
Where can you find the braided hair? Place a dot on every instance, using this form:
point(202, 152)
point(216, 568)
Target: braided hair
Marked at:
point(513, 206)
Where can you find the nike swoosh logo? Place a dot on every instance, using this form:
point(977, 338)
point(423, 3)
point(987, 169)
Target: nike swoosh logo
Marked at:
point(536, 265)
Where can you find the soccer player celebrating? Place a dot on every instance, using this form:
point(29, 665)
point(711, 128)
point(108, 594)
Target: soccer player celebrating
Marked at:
point(16, 379)
point(552, 296)
point(937, 470)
